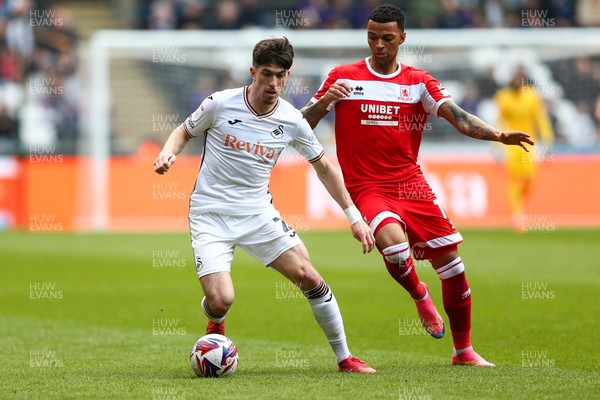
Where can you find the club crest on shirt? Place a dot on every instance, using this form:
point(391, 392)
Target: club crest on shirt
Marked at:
point(404, 93)
point(277, 133)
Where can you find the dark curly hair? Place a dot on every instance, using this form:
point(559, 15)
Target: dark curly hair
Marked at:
point(278, 51)
point(388, 13)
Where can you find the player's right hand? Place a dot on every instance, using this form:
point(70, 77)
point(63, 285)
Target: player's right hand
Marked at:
point(363, 233)
point(338, 91)
point(163, 162)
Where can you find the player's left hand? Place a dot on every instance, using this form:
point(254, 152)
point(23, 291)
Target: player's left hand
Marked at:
point(516, 138)
point(362, 233)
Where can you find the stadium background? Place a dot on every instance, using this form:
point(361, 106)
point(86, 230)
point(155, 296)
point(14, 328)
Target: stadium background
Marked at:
point(49, 113)
point(112, 315)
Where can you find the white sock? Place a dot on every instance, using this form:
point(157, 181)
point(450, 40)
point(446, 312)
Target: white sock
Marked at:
point(327, 313)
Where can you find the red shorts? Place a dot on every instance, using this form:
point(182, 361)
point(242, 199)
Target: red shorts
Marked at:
point(414, 206)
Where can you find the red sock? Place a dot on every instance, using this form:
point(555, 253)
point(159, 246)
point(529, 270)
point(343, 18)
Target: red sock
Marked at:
point(410, 281)
point(457, 303)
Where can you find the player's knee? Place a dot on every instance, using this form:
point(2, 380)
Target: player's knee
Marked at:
point(444, 259)
point(397, 253)
point(220, 303)
point(306, 276)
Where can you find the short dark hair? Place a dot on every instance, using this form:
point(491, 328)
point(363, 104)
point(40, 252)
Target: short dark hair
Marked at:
point(388, 13)
point(278, 51)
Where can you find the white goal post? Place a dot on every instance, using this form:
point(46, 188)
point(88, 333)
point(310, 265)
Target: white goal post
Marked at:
point(463, 51)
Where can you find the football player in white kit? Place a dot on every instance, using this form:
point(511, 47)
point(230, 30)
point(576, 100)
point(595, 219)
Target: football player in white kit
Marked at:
point(245, 131)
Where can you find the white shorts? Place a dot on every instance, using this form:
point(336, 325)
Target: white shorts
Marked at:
point(214, 237)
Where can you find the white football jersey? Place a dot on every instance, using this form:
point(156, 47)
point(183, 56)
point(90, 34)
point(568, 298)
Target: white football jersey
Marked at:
point(240, 150)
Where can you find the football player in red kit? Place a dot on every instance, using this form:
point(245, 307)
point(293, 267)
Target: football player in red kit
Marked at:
point(381, 108)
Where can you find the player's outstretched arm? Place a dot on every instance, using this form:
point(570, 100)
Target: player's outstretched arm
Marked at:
point(174, 145)
point(472, 126)
point(314, 112)
point(332, 180)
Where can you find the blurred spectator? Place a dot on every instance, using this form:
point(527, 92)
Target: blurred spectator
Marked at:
point(361, 11)
point(315, 12)
point(564, 12)
point(338, 15)
point(581, 132)
point(192, 12)
point(39, 92)
point(580, 84)
point(206, 85)
point(18, 34)
point(494, 13)
point(227, 15)
point(486, 83)
point(588, 12)
point(8, 131)
point(162, 15)
point(597, 112)
point(470, 99)
point(452, 15)
point(251, 14)
point(9, 65)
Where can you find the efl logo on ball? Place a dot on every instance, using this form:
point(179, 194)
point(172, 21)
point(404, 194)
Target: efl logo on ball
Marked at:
point(214, 356)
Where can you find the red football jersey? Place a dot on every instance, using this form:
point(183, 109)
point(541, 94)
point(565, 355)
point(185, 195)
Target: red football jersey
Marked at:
point(378, 128)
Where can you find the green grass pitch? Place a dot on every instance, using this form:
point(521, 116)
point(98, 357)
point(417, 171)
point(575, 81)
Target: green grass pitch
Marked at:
point(115, 315)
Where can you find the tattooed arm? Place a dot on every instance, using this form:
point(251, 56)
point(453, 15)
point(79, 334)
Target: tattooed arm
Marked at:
point(472, 126)
point(314, 112)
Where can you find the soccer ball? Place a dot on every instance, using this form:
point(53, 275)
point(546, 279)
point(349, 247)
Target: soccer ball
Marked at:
point(214, 356)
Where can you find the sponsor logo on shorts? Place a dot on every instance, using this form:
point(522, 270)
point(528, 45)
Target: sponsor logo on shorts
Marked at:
point(199, 264)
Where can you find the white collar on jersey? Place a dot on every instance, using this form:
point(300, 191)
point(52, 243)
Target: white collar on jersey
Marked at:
point(377, 74)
